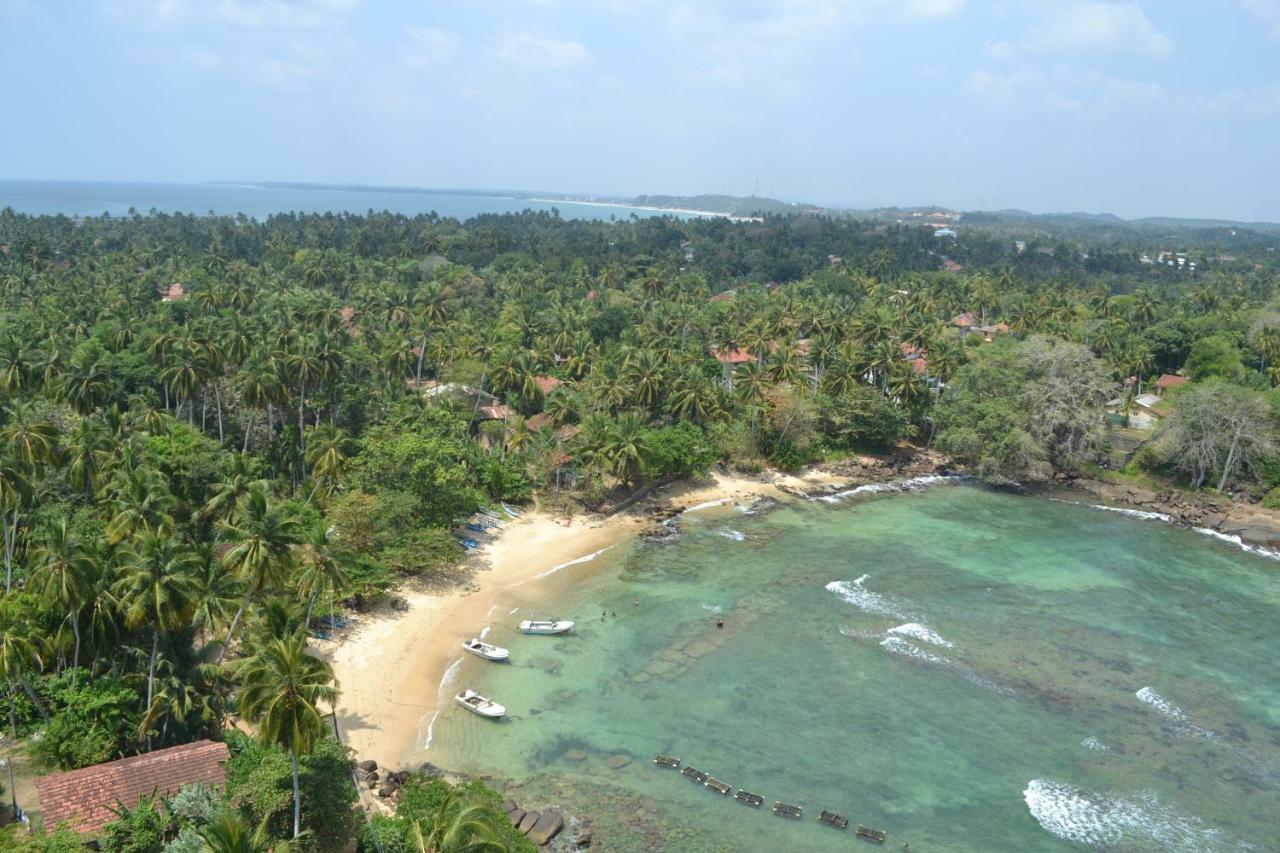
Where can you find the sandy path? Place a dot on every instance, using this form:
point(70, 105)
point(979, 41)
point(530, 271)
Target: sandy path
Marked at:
point(390, 667)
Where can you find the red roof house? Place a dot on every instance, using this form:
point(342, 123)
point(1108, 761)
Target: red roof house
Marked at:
point(734, 356)
point(83, 799)
point(1170, 380)
point(546, 384)
point(964, 320)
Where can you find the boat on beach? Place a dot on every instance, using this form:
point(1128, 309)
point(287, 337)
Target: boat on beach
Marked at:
point(545, 626)
point(477, 704)
point(479, 648)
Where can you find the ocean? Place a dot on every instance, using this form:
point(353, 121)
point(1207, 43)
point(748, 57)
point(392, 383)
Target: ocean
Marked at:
point(965, 669)
point(94, 198)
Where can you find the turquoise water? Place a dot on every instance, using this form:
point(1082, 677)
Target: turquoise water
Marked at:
point(965, 669)
point(92, 198)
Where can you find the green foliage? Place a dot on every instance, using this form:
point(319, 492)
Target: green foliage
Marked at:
point(1213, 357)
point(422, 552)
point(681, 449)
point(259, 785)
point(1271, 500)
point(141, 828)
point(861, 417)
point(426, 801)
point(93, 722)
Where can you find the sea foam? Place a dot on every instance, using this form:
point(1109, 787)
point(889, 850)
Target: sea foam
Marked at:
point(1112, 820)
point(1239, 543)
point(735, 535)
point(899, 646)
point(1173, 713)
point(895, 486)
point(864, 599)
point(922, 632)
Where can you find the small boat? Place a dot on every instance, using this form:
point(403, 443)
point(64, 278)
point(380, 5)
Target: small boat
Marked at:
point(545, 626)
point(696, 775)
point(750, 799)
point(719, 787)
point(509, 511)
point(486, 511)
point(477, 704)
point(876, 835)
point(787, 810)
point(467, 542)
point(482, 649)
point(833, 819)
point(476, 526)
point(666, 761)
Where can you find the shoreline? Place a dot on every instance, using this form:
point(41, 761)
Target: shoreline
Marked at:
point(393, 667)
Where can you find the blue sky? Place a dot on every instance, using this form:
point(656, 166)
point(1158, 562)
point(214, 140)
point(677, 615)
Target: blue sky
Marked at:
point(1137, 108)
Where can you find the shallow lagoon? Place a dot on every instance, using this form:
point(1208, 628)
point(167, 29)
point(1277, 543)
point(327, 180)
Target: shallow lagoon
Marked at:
point(966, 669)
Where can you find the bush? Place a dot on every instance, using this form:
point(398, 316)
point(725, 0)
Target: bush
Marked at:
point(93, 722)
point(1272, 499)
point(140, 829)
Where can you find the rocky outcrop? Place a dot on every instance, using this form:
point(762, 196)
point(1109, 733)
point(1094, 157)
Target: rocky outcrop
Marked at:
point(541, 826)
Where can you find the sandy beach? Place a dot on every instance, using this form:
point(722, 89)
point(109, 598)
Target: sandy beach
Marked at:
point(389, 666)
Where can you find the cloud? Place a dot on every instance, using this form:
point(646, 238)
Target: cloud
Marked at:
point(428, 46)
point(998, 49)
point(1093, 25)
point(532, 51)
point(1267, 13)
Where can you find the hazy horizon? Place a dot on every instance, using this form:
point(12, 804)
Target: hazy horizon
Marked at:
point(1132, 108)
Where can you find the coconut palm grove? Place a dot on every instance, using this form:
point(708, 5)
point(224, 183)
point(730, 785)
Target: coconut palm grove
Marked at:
point(221, 435)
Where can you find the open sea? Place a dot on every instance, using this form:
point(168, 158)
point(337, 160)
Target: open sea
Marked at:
point(965, 669)
point(94, 198)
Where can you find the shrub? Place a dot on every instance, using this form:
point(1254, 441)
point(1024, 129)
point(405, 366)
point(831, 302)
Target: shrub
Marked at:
point(1272, 499)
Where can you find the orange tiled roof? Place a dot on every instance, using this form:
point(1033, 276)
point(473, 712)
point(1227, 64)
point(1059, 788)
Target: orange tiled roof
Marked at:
point(1170, 380)
point(84, 798)
point(547, 384)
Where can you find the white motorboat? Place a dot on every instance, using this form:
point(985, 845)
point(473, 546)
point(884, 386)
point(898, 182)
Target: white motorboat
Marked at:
point(484, 650)
point(545, 626)
point(477, 704)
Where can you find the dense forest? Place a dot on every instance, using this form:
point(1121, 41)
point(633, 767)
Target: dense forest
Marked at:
point(215, 433)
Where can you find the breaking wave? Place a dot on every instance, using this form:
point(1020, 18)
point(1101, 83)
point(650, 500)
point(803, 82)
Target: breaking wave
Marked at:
point(899, 646)
point(864, 599)
point(1134, 513)
point(1095, 744)
point(706, 505)
point(1173, 713)
point(1110, 820)
point(896, 486)
point(735, 535)
point(1231, 539)
point(714, 609)
point(922, 632)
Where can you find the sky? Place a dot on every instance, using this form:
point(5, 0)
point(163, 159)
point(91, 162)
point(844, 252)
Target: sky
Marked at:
point(1134, 107)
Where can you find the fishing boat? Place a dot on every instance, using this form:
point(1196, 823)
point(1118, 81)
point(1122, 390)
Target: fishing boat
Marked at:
point(876, 835)
point(482, 649)
point(509, 511)
point(719, 787)
point(788, 810)
point(666, 761)
point(833, 819)
point(476, 527)
point(750, 799)
point(696, 775)
point(467, 542)
point(477, 704)
point(545, 626)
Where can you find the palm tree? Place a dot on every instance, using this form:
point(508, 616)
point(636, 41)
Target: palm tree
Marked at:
point(157, 589)
point(87, 448)
point(328, 448)
point(15, 492)
point(258, 387)
point(228, 833)
point(263, 534)
point(280, 688)
point(31, 439)
point(64, 580)
point(626, 449)
point(459, 825)
point(321, 566)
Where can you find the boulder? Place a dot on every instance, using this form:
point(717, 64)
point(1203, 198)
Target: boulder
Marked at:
point(373, 784)
point(516, 816)
point(584, 839)
point(386, 791)
point(368, 765)
point(508, 805)
point(618, 762)
point(547, 826)
point(372, 776)
point(575, 755)
point(529, 822)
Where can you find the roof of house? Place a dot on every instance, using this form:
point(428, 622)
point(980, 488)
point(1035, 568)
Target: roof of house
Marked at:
point(546, 384)
point(568, 431)
point(1147, 399)
point(734, 356)
point(964, 320)
point(950, 265)
point(723, 297)
point(495, 413)
point(1170, 380)
point(538, 421)
point(173, 292)
point(84, 798)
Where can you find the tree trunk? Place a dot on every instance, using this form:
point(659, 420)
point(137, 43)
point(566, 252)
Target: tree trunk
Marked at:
point(310, 604)
point(75, 659)
point(10, 537)
point(248, 430)
point(297, 796)
point(217, 398)
point(1231, 461)
point(232, 628)
point(151, 671)
point(422, 353)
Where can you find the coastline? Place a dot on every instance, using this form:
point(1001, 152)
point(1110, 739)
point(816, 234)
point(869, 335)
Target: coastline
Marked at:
point(390, 665)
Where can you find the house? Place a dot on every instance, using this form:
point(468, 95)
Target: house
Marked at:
point(965, 320)
point(726, 296)
point(1170, 380)
point(172, 293)
point(83, 799)
point(950, 265)
point(945, 233)
point(486, 406)
point(546, 384)
point(732, 357)
point(916, 357)
point(1142, 414)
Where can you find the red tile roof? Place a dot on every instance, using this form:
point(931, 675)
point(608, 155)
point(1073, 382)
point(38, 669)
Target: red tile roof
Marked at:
point(546, 384)
point(736, 356)
point(495, 413)
point(172, 292)
point(1170, 380)
point(84, 798)
point(538, 421)
point(965, 320)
